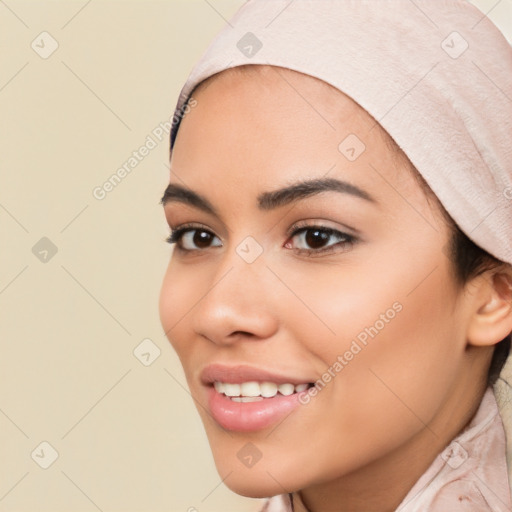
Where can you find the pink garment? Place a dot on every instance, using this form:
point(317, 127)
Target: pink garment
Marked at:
point(470, 475)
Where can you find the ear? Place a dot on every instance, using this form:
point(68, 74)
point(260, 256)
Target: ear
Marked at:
point(491, 321)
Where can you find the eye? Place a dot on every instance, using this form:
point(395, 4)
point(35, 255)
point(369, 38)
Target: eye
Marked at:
point(192, 238)
point(317, 240)
point(311, 240)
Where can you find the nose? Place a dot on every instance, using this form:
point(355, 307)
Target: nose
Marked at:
point(237, 304)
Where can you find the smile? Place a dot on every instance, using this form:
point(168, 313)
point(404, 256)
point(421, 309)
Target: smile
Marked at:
point(254, 391)
point(245, 398)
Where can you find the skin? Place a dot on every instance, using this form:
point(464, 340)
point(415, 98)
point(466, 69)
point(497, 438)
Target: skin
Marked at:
point(367, 437)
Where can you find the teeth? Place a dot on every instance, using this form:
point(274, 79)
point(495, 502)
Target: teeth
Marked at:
point(268, 389)
point(231, 389)
point(247, 398)
point(250, 389)
point(286, 389)
point(253, 391)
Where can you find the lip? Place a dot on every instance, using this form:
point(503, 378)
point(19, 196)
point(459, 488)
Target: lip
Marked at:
point(245, 373)
point(248, 416)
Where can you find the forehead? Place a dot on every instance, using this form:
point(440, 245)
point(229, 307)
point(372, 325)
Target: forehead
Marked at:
point(268, 78)
point(257, 103)
point(258, 127)
point(294, 91)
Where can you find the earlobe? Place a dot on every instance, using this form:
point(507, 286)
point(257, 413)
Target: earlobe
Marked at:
point(491, 321)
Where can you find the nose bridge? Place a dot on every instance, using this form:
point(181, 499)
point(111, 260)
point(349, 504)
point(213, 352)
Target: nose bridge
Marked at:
point(237, 300)
point(242, 269)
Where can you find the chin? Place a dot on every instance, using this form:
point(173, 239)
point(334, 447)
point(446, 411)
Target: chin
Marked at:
point(265, 478)
point(251, 485)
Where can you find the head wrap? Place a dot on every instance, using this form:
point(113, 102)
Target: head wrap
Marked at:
point(436, 75)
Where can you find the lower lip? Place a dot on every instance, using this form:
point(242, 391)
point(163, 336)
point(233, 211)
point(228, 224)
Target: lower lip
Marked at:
point(248, 416)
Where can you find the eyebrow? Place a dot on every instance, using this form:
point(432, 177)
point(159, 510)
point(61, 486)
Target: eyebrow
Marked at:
point(269, 200)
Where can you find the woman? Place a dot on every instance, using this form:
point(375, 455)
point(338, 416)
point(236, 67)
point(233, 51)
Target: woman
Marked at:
point(340, 290)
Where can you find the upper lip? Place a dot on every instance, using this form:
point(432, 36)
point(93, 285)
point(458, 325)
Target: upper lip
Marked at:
point(239, 373)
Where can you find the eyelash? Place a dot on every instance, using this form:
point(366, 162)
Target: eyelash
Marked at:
point(346, 240)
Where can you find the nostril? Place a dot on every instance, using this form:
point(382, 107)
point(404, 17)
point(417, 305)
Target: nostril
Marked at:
point(244, 333)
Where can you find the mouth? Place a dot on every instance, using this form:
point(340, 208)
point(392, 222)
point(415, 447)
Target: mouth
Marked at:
point(244, 398)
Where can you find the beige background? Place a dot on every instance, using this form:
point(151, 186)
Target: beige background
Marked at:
point(127, 435)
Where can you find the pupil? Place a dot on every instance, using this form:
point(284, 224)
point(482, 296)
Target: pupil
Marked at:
point(202, 238)
point(316, 238)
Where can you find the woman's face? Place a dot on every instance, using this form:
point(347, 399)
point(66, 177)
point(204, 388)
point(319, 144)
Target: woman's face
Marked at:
point(347, 284)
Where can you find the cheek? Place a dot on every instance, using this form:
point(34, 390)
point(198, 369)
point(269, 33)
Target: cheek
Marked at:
point(389, 334)
point(177, 297)
point(168, 302)
point(414, 360)
point(406, 365)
